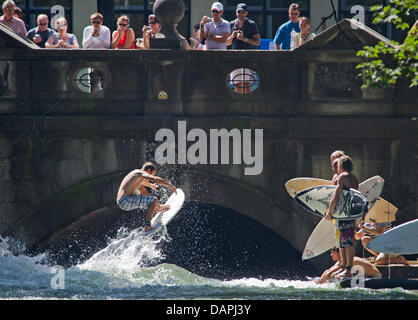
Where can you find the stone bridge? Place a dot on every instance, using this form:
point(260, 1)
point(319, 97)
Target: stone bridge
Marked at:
point(64, 151)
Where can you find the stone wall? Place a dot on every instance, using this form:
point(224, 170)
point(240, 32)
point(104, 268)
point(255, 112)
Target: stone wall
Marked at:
point(63, 152)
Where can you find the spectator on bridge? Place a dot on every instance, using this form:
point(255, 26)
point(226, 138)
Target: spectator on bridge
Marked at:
point(282, 37)
point(215, 31)
point(62, 39)
point(305, 33)
point(124, 36)
point(245, 34)
point(151, 30)
point(9, 20)
point(96, 36)
point(41, 33)
point(195, 39)
point(19, 14)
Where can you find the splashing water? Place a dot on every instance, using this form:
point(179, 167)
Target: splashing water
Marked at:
point(132, 266)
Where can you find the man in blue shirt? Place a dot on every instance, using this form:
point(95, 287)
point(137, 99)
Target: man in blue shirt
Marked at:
point(282, 38)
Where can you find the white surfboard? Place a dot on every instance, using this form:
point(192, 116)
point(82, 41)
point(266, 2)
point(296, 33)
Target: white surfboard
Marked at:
point(372, 188)
point(321, 239)
point(161, 219)
point(351, 204)
point(296, 185)
point(402, 239)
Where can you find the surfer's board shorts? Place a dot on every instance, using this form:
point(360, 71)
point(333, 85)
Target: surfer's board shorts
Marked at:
point(346, 230)
point(129, 203)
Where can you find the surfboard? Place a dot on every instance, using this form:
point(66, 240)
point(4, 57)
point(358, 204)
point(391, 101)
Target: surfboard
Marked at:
point(382, 211)
point(321, 239)
point(370, 188)
point(351, 205)
point(296, 185)
point(402, 239)
point(163, 218)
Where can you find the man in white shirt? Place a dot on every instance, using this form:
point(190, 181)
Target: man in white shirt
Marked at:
point(215, 31)
point(96, 36)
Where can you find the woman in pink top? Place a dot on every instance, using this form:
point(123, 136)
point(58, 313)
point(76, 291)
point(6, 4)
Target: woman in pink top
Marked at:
point(124, 37)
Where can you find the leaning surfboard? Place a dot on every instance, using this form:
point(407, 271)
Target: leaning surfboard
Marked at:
point(382, 211)
point(351, 205)
point(161, 219)
point(321, 239)
point(402, 239)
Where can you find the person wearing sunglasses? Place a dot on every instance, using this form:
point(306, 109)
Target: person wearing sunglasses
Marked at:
point(62, 39)
point(151, 30)
point(245, 34)
point(215, 31)
point(9, 20)
point(96, 36)
point(124, 36)
point(41, 33)
point(283, 34)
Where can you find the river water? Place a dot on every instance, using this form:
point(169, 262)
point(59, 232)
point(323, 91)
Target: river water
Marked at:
point(122, 270)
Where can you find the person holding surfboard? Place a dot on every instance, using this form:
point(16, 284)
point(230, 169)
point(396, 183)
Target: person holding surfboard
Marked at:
point(345, 180)
point(132, 194)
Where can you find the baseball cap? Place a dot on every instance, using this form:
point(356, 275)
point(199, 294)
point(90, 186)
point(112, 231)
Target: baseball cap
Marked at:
point(241, 6)
point(218, 6)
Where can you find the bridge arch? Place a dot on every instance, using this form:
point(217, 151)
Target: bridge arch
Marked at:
point(92, 202)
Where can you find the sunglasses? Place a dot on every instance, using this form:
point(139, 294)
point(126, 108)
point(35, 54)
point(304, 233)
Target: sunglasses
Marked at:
point(122, 24)
point(215, 11)
point(153, 22)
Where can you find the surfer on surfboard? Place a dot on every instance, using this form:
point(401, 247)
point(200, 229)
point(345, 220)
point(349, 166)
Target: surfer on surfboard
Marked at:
point(346, 179)
point(128, 198)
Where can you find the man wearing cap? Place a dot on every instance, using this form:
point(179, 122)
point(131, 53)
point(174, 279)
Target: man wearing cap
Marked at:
point(245, 33)
point(215, 31)
point(282, 38)
point(41, 33)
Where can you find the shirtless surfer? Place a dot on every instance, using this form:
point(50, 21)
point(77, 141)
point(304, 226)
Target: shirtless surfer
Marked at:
point(129, 199)
point(346, 179)
point(370, 271)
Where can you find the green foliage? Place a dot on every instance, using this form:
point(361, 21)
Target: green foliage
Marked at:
point(386, 62)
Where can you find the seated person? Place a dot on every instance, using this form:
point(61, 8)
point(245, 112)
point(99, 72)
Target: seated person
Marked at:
point(41, 33)
point(367, 232)
point(9, 20)
point(124, 36)
point(62, 39)
point(96, 36)
point(305, 33)
point(369, 269)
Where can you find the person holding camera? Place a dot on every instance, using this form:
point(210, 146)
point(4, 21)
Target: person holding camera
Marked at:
point(41, 33)
point(245, 34)
point(149, 31)
point(214, 32)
